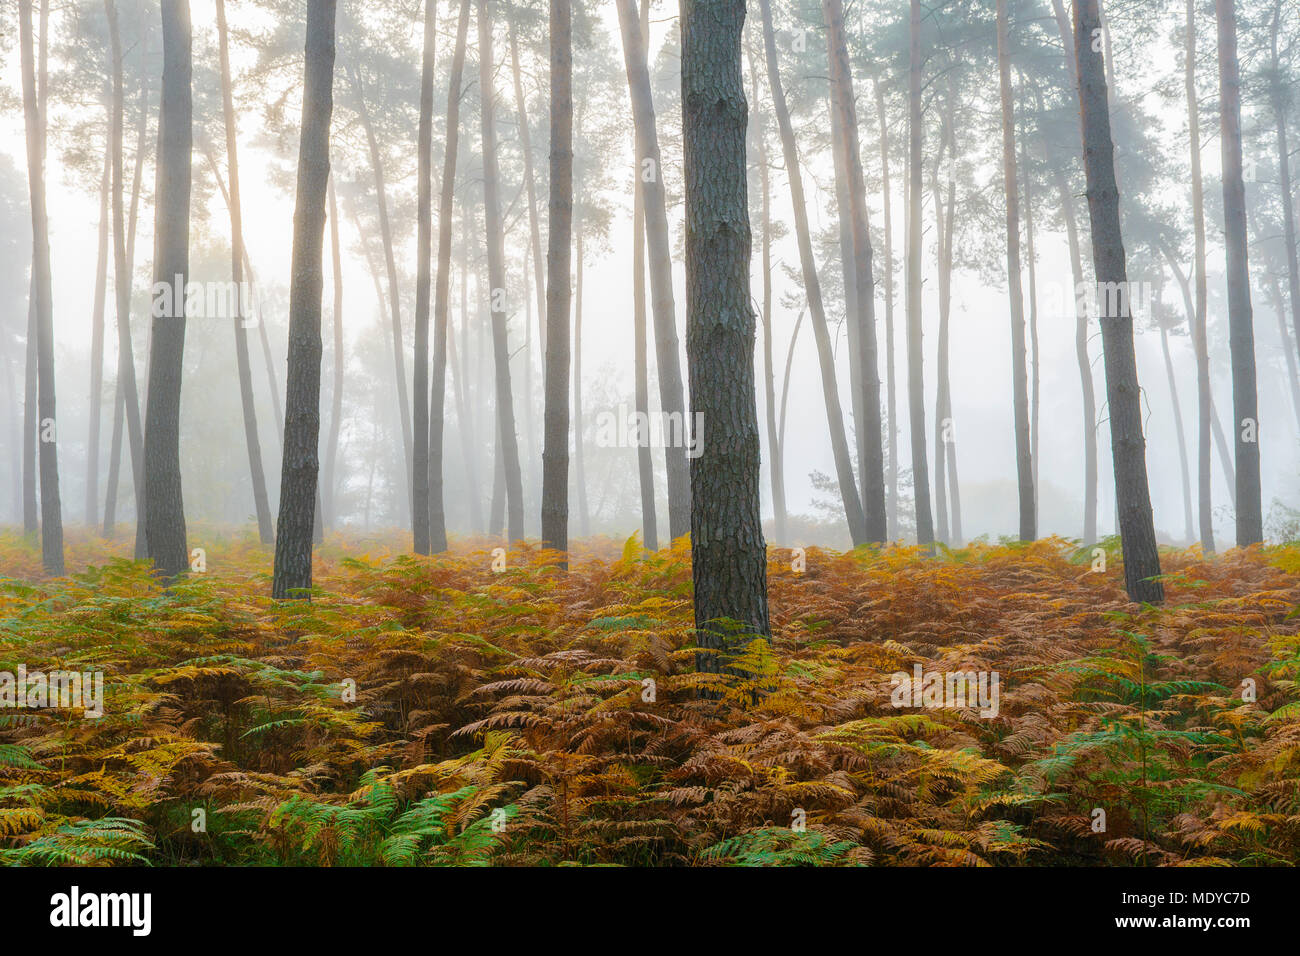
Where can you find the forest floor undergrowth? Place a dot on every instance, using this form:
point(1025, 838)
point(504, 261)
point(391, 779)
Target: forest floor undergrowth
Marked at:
point(423, 711)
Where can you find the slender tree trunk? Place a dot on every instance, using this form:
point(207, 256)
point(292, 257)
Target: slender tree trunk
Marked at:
point(421, 513)
point(330, 498)
point(293, 551)
point(97, 350)
point(497, 283)
point(1292, 376)
point(1034, 379)
point(812, 286)
point(870, 452)
point(650, 168)
point(51, 506)
point(645, 462)
point(534, 223)
point(728, 554)
point(891, 400)
point(776, 466)
point(555, 451)
point(1188, 533)
point(945, 435)
point(1241, 337)
point(1020, 379)
point(1279, 98)
point(265, 529)
point(390, 261)
point(915, 361)
point(31, 513)
point(455, 91)
point(1132, 494)
point(579, 434)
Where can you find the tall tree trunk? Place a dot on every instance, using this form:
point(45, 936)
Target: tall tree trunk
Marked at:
point(728, 554)
point(1020, 378)
point(1278, 93)
point(1284, 336)
point(915, 361)
point(292, 572)
point(421, 513)
point(853, 512)
point(1132, 495)
point(51, 506)
point(1241, 334)
point(776, 464)
point(31, 512)
point(164, 509)
point(97, 350)
point(579, 470)
point(644, 459)
point(390, 262)
point(870, 452)
point(945, 436)
point(330, 498)
point(1188, 533)
point(1034, 380)
point(534, 224)
point(555, 451)
point(438, 390)
point(497, 283)
point(650, 165)
point(265, 530)
point(891, 399)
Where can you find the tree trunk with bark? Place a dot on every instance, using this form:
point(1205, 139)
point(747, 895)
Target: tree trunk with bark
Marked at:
point(915, 361)
point(420, 512)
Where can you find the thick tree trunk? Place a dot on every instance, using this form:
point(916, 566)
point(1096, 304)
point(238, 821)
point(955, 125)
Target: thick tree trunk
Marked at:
point(853, 512)
point(420, 480)
point(292, 573)
point(1132, 495)
point(497, 283)
point(1019, 376)
point(94, 411)
point(650, 173)
point(164, 509)
point(1241, 334)
point(891, 399)
point(870, 452)
point(266, 531)
point(555, 451)
point(46, 425)
point(729, 556)
point(776, 465)
point(915, 360)
point(438, 390)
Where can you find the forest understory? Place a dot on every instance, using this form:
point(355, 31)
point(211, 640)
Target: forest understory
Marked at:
point(428, 711)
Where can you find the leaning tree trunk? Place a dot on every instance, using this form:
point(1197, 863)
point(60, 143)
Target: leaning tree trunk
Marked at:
point(420, 483)
point(164, 508)
point(51, 506)
point(1019, 376)
point(438, 389)
point(1241, 333)
point(728, 554)
point(662, 307)
point(265, 529)
point(555, 450)
point(497, 283)
point(915, 362)
point(1128, 447)
point(853, 512)
point(293, 540)
point(870, 452)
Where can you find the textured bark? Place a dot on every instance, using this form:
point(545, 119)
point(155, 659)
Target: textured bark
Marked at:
point(728, 554)
point(293, 548)
point(438, 377)
point(94, 411)
point(1241, 334)
point(668, 367)
point(1132, 496)
point(1019, 376)
point(164, 509)
point(775, 452)
point(870, 452)
point(265, 530)
point(915, 361)
point(497, 281)
point(853, 512)
point(420, 479)
point(34, 118)
point(555, 450)
point(891, 395)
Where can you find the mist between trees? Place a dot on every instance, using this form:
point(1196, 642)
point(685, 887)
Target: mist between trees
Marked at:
point(302, 268)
